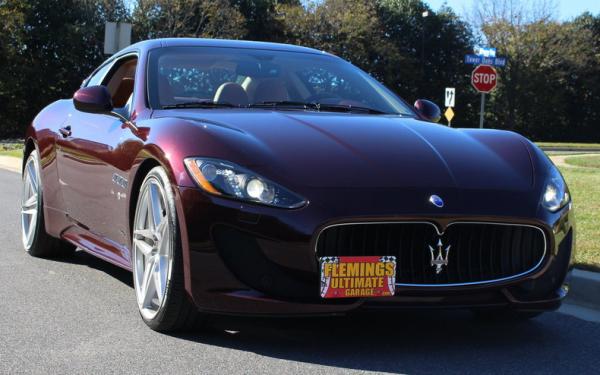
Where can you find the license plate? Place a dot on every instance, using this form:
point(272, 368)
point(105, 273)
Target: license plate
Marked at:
point(360, 276)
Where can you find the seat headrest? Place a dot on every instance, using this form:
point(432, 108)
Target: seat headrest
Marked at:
point(123, 92)
point(232, 93)
point(271, 90)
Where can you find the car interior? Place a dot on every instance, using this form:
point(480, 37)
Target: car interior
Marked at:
point(120, 86)
point(183, 79)
point(255, 77)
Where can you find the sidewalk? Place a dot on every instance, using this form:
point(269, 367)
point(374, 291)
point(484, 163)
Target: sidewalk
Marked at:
point(11, 163)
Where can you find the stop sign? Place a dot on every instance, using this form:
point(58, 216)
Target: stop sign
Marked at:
point(483, 78)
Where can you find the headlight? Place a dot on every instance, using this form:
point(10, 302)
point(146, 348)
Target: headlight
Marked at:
point(229, 180)
point(556, 193)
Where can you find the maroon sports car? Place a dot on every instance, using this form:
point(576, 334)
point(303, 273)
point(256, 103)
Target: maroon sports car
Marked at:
point(252, 178)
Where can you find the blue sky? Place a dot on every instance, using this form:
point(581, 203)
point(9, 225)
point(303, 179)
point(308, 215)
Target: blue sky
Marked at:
point(567, 9)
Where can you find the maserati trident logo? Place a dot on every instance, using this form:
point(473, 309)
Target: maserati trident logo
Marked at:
point(436, 200)
point(441, 259)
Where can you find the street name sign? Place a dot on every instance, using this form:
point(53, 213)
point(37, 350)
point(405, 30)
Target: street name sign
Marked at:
point(482, 60)
point(485, 51)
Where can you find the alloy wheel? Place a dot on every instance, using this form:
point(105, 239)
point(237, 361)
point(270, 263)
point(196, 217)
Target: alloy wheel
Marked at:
point(152, 248)
point(29, 202)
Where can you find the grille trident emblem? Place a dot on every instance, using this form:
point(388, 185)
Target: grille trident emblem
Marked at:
point(441, 259)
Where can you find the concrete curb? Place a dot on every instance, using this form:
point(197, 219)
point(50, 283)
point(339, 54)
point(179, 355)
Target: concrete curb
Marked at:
point(585, 288)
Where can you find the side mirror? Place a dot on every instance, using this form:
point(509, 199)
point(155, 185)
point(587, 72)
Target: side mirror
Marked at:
point(428, 110)
point(93, 99)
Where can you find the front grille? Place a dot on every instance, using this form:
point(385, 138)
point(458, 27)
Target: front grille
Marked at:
point(479, 252)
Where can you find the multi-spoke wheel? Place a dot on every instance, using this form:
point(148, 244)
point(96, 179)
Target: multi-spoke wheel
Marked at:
point(29, 201)
point(156, 257)
point(33, 232)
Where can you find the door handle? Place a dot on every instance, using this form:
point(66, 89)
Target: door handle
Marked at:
point(66, 131)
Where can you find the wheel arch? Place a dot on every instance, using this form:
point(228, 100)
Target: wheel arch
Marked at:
point(27, 149)
point(141, 171)
point(145, 166)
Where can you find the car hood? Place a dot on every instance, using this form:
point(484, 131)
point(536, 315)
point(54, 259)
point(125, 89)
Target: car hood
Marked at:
point(355, 151)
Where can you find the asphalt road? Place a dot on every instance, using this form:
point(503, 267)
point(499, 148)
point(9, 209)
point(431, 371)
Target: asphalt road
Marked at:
point(79, 316)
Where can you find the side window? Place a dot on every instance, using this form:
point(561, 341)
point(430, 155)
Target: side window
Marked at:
point(120, 83)
point(97, 77)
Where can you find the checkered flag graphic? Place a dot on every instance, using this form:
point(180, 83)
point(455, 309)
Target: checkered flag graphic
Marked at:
point(391, 281)
point(324, 280)
point(330, 260)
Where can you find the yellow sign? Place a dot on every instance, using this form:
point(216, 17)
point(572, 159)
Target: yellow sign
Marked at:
point(449, 114)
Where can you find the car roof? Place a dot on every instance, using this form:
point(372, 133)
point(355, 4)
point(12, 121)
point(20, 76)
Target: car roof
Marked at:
point(146, 45)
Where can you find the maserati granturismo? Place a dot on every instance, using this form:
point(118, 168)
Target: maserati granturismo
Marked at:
point(264, 179)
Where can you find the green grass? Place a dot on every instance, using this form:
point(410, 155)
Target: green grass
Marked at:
point(11, 149)
point(579, 146)
point(585, 189)
point(587, 161)
point(14, 153)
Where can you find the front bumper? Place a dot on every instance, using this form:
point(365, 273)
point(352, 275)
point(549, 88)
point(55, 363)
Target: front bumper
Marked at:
point(244, 259)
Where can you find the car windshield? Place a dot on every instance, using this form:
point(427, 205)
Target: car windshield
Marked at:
point(220, 77)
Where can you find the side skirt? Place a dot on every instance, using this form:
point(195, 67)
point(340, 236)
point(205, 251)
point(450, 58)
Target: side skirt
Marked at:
point(100, 247)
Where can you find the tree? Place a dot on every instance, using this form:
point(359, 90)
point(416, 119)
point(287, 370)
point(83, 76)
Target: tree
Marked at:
point(445, 39)
point(546, 91)
point(261, 20)
point(187, 18)
point(351, 30)
point(47, 46)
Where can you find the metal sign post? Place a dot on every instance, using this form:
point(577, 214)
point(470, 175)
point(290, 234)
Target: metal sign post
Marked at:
point(482, 110)
point(484, 79)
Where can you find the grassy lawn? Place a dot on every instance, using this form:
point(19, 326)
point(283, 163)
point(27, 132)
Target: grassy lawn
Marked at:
point(579, 146)
point(585, 188)
point(588, 161)
point(15, 153)
point(11, 149)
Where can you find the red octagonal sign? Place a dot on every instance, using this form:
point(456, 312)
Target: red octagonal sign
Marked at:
point(484, 78)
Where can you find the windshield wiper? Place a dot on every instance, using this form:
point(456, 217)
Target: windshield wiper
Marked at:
point(282, 103)
point(314, 106)
point(201, 104)
point(318, 107)
point(350, 108)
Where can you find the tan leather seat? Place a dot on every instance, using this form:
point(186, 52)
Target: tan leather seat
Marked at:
point(124, 91)
point(231, 93)
point(271, 90)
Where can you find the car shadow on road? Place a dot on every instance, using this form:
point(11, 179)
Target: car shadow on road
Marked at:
point(82, 258)
point(420, 342)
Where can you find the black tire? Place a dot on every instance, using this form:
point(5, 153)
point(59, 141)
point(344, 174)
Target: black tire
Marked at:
point(177, 311)
point(505, 314)
point(41, 245)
